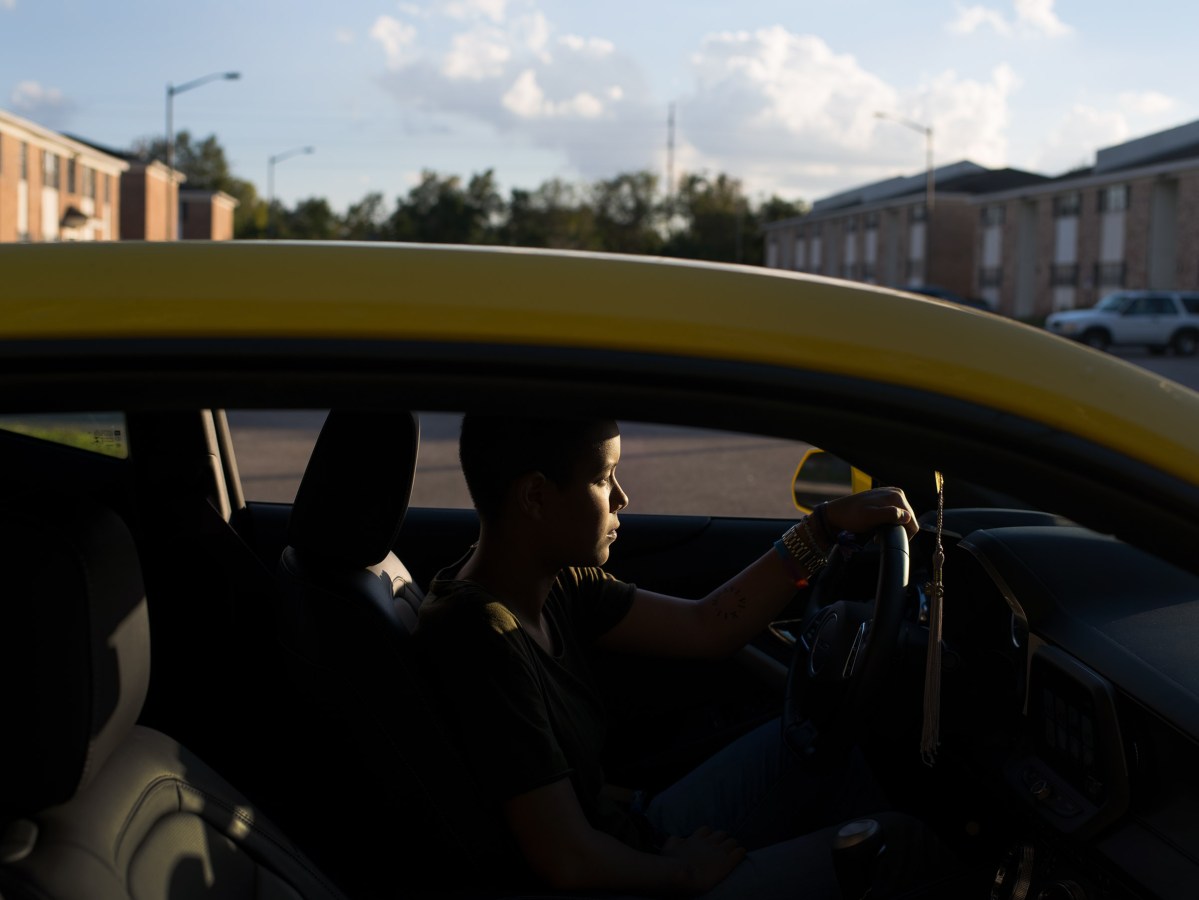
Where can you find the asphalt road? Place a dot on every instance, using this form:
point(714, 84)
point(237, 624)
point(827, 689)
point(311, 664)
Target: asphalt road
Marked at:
point(663, 469)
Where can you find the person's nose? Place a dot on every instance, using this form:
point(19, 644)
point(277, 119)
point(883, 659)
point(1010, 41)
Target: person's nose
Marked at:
point(619, 498)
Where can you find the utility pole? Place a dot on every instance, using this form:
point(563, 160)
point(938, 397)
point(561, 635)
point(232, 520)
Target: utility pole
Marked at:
point(670, 155)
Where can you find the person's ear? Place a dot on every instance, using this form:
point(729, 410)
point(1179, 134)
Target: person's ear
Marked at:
point(530, 493)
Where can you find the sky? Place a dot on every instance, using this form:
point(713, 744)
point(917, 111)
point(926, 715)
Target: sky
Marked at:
point(782, 95)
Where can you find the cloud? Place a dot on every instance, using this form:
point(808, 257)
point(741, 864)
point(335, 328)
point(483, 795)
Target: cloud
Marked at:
point(527, 100)
point(8, 4)
point(1087, 127)
point(397, 39)
point(1033, 18)
point(779, 108)
point(782, 111)
point(344, 36)
point(1038, 15)
point(46, 105)
point(596, 48)
point(1145, 103)
point(465, 10)
point(477, 55)
point(503, 65)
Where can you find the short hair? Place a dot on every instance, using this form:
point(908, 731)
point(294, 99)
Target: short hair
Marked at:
point(495, 450)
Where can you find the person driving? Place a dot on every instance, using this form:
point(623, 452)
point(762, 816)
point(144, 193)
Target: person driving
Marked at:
point(507, 631)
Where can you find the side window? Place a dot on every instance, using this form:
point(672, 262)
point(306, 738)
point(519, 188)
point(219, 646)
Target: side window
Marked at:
point(1161, 306)
point(664, 469)
point(97, 432)
point(1191, 304)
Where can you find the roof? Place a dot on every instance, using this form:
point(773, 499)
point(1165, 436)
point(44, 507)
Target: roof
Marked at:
point(963, 178)
point(200, 195)
point(318, 292)
point(46, 137)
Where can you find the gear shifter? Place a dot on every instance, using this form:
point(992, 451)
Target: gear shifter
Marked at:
point(856, 849)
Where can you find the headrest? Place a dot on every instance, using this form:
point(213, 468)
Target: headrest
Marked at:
point(351, 502)
point(74, 647)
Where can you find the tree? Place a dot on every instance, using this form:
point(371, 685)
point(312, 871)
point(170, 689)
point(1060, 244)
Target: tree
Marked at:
point(365, 220)
point(206, 169)
point(312, 219)
point(709, 219)
point(627, 214)
point(439, 210)
point(555, 215)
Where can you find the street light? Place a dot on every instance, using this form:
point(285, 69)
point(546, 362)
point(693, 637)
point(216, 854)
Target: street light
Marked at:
point(927, 131)
point(172, 90)
point(270, 182)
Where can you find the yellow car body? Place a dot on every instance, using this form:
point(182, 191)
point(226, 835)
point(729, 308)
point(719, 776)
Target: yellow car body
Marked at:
point(628, 304)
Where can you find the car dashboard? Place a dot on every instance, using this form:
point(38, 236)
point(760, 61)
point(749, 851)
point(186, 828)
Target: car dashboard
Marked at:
point(1070, 707)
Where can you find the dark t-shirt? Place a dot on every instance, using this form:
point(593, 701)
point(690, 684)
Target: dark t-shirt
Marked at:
point(528, 718)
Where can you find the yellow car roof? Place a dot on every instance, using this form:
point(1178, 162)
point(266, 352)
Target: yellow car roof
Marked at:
point(624, 303)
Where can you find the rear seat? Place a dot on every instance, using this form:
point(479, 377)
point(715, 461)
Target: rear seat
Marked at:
point(91, 804)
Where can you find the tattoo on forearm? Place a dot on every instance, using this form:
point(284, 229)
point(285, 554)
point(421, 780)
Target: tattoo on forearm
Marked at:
point(730, 603)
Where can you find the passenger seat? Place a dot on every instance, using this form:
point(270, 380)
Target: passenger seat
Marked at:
point(91, 804)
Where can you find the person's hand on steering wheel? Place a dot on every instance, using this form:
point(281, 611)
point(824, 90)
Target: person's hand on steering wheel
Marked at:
point(865, 511)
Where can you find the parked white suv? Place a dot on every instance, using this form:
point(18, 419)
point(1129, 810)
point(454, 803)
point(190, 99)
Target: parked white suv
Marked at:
point(1153, 319)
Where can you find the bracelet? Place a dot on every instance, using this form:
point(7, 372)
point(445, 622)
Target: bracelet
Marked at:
point(798, 577)
point(803, 548)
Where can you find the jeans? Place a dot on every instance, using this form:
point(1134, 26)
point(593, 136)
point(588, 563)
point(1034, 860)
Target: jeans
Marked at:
point(783, 814)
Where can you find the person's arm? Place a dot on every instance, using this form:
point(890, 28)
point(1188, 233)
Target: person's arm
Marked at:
point(731, 615)
point(565, 852)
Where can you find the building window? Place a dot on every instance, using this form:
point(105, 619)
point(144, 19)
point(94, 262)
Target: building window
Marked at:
point(918, 213)
point(871, 220)
point(1113, 199)
point(869, 271)
point(89, 182)
point(107, 181)
point(71, 175)
point(1109, 274)
point(990, 276)
point(1063, 274)
point(24, 161)
point(1067, 205)
point(991, 215)
point(49, 169)
point(851, 224)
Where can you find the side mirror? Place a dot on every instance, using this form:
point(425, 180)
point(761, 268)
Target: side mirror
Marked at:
point(821, 476)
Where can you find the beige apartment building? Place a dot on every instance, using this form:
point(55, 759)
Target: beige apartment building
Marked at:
point(56, 188)
point(886, 233)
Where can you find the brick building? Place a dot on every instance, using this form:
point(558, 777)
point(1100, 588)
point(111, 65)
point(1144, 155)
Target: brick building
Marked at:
point(148, 193)
point(1129, 221)
point(1026, 243)
point(884, 233)
point(206, 215)
point(56, 188)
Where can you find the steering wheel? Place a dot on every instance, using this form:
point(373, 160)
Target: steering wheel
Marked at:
point(842, 656)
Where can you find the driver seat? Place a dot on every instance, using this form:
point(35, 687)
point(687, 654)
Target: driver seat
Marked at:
point(347, 615)
point(91, 804)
